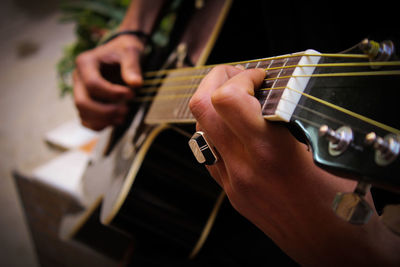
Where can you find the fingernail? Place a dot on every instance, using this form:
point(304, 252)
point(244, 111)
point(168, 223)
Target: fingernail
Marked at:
point(135, 78)
point(241, 67)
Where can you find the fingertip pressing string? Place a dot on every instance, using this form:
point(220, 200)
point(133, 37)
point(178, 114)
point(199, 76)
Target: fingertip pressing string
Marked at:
point(140, 34)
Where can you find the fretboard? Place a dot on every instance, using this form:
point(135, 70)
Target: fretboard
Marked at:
point(276, 96)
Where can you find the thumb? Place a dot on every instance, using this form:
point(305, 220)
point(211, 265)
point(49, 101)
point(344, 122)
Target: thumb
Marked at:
point(131, 71)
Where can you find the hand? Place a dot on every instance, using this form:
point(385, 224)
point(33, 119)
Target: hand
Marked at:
point(253, 153)
point(101, 103)
point(270, 178)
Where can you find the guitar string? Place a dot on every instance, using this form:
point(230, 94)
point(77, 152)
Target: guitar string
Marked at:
point(349, 112)
point(166, 71)
point(321, 101)
point(320, 75)
point(341, 74)
point(319, 114)
point(153, 82)
point(353, 114)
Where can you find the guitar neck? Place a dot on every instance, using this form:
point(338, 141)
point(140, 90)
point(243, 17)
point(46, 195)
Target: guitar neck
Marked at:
point(175, 87)
point(312, 91)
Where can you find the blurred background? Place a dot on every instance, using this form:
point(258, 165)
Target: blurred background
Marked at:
point(31, 44)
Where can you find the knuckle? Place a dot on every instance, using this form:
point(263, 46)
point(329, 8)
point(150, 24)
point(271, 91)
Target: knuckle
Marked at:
point(91, 82)
point(197, 105)
point(115, 95)
point(112, 112)
point(80, 103)
point(223, 95)
point(82, 58)
point(132, 49)
point(242, 183)
point(220, 68)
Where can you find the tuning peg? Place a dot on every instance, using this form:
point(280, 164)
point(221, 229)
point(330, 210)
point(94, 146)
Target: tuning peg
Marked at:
point(352, 207)
point(339, 140)
point(377, 51)
point(386, 149)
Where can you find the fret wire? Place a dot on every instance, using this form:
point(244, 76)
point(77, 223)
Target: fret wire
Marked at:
point(269, 66)
point(187, 91)
point(204, 72)
point(185, 103)
point(273, 85)
point(182, 104)
point(193, 89)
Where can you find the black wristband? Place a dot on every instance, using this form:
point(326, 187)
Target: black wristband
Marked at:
point(145, 37)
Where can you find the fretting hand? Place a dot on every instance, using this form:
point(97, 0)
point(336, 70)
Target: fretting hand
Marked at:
point(270, 178)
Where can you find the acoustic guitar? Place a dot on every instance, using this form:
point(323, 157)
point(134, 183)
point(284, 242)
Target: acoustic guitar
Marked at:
point(337, 103)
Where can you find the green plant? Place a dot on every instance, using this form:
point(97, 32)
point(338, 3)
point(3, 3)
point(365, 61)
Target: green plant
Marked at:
point(94, 20)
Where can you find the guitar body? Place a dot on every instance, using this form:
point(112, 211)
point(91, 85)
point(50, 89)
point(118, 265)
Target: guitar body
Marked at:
point(164, 194)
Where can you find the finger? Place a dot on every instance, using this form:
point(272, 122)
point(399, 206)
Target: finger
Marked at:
point(88, 67)
point(234, 101)
point(202, 109)
point(211, 123)
point(130, 68)
point(96, 115)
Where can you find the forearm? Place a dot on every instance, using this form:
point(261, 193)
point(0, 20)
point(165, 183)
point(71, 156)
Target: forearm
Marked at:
point(319, 236)
point(141, 15)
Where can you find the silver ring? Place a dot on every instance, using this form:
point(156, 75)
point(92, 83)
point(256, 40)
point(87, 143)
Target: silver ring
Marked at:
point(202, 149)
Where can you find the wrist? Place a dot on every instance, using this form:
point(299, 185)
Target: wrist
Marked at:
point(140, 35)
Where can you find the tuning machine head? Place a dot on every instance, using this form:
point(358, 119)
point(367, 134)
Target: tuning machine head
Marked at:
point(339, 140)
point(382, 51)
point(386, 149)
point(352, 207)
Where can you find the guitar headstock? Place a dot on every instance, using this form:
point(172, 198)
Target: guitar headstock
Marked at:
point(347, 110)
point(358, 135)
